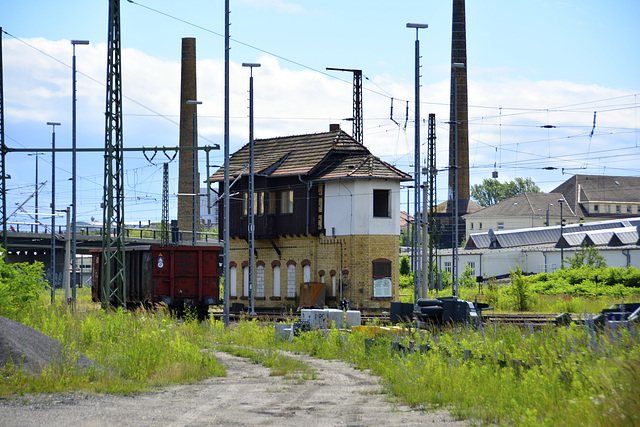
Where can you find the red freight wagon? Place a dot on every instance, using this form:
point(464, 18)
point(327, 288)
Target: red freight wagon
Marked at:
point(179, 276)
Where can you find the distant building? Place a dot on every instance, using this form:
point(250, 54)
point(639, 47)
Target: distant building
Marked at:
point(600, 197)
point(585, 198)
point(541, 249)
point(208, 203)
point(526, 210)
point(326, 210)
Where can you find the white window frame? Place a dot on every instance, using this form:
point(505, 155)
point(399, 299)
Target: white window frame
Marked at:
point(233, 290)
point(260, 281)
point(291, 281)
point(276, 281)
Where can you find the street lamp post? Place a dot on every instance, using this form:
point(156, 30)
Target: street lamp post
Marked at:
point(252, 225)
point(561, 201)
point(73, 170)
point(194, 170)
point(53, 210)
point(548, 207)
point(37, 183)
point(416, 173)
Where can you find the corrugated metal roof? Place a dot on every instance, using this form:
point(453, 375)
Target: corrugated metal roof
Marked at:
point(569, 240)
point(574, 234)
point(628, 236)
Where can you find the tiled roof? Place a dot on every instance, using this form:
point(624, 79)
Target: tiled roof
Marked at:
point(328, 155)
point(600, 188)
point(526, 205)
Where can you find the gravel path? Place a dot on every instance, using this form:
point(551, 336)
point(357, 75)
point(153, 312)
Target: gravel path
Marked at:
point(248, 396)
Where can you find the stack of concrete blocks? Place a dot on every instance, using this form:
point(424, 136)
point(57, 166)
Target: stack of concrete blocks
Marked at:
point(330, 317)
point(353, 318)
point(284, 331)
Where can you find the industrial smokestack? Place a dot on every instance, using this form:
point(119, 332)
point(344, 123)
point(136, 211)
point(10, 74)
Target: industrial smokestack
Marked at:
point(459, 91)
point(187, 166)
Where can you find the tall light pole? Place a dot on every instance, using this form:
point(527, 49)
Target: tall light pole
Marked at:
point(226, 198)
point(37, 183)
point(252, 225)
point(561, 201)
point(73, 170)
point(53, 210)
point(416, 173)
point(454, 193)
point(194, 169)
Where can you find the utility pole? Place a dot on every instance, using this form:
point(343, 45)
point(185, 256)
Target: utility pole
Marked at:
point(73, 167)
point(430, 195)
point(53, 210)
point(416, 191)
point(225, 256)
point(357, 102)
point(113, 244)
point(3, 176)
point(252, 226)
point(164, 235)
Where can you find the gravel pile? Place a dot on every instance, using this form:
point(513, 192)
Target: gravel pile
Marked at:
point(32, 349)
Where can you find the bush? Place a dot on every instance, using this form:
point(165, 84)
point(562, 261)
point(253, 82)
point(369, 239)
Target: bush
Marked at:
point(520, 290)
point(20, 285)
point(467, 279)
point(405, 267)
point(406, 281)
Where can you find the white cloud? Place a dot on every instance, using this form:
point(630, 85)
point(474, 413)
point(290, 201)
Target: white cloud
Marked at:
point(38, 89)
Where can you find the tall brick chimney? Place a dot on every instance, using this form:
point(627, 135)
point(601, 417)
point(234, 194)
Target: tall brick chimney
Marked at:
point(459, 75)
point(186, 164)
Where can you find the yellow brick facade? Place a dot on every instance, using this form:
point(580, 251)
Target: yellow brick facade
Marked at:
point(321, 254)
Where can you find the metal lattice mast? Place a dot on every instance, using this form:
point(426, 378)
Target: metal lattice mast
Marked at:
point(113, 242)
point(357, 105)
point(164, 237)
point(358, 121)
point(3, 177)
point(431, 167)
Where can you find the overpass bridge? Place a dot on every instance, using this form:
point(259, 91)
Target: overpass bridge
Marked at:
point(29, 246)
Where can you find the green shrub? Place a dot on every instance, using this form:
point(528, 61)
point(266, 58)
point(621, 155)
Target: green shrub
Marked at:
point(467, 279)
point(20, 285)
point(406, 281)
point(520, 290)
point(405, 266)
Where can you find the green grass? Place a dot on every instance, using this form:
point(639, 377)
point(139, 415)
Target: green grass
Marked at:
point(510, 376)
point(506, 376)
point(136, 350)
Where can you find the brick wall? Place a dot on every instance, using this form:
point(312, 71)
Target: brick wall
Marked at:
point(322, 254)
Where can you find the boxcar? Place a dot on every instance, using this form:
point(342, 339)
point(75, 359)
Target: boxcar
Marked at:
point(182, 277)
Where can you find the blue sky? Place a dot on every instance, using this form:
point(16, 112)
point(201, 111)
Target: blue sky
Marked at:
point(529, 64)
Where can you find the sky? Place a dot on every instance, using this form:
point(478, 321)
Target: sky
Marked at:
point(552, 84)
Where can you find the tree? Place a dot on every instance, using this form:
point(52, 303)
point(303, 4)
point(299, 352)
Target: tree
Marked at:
point(492, 191)
point(587, 255)
point(405, 267)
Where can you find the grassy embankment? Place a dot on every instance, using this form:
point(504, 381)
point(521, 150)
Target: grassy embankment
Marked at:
point(504, 375)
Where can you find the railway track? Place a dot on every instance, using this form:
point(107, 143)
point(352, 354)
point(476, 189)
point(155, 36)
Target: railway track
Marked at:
point(521, 319)
point(514, 319)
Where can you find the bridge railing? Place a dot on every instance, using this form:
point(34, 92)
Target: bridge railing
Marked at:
point(90, 230)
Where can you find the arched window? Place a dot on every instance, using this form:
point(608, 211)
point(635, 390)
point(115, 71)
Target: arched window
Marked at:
point(291, 279)
point(276, 278)
point(260, 280)
point(233, 292)
point(382, 286)
point(245, 276)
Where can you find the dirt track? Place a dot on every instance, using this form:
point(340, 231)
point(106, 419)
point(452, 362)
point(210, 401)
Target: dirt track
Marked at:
point(247, 396)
